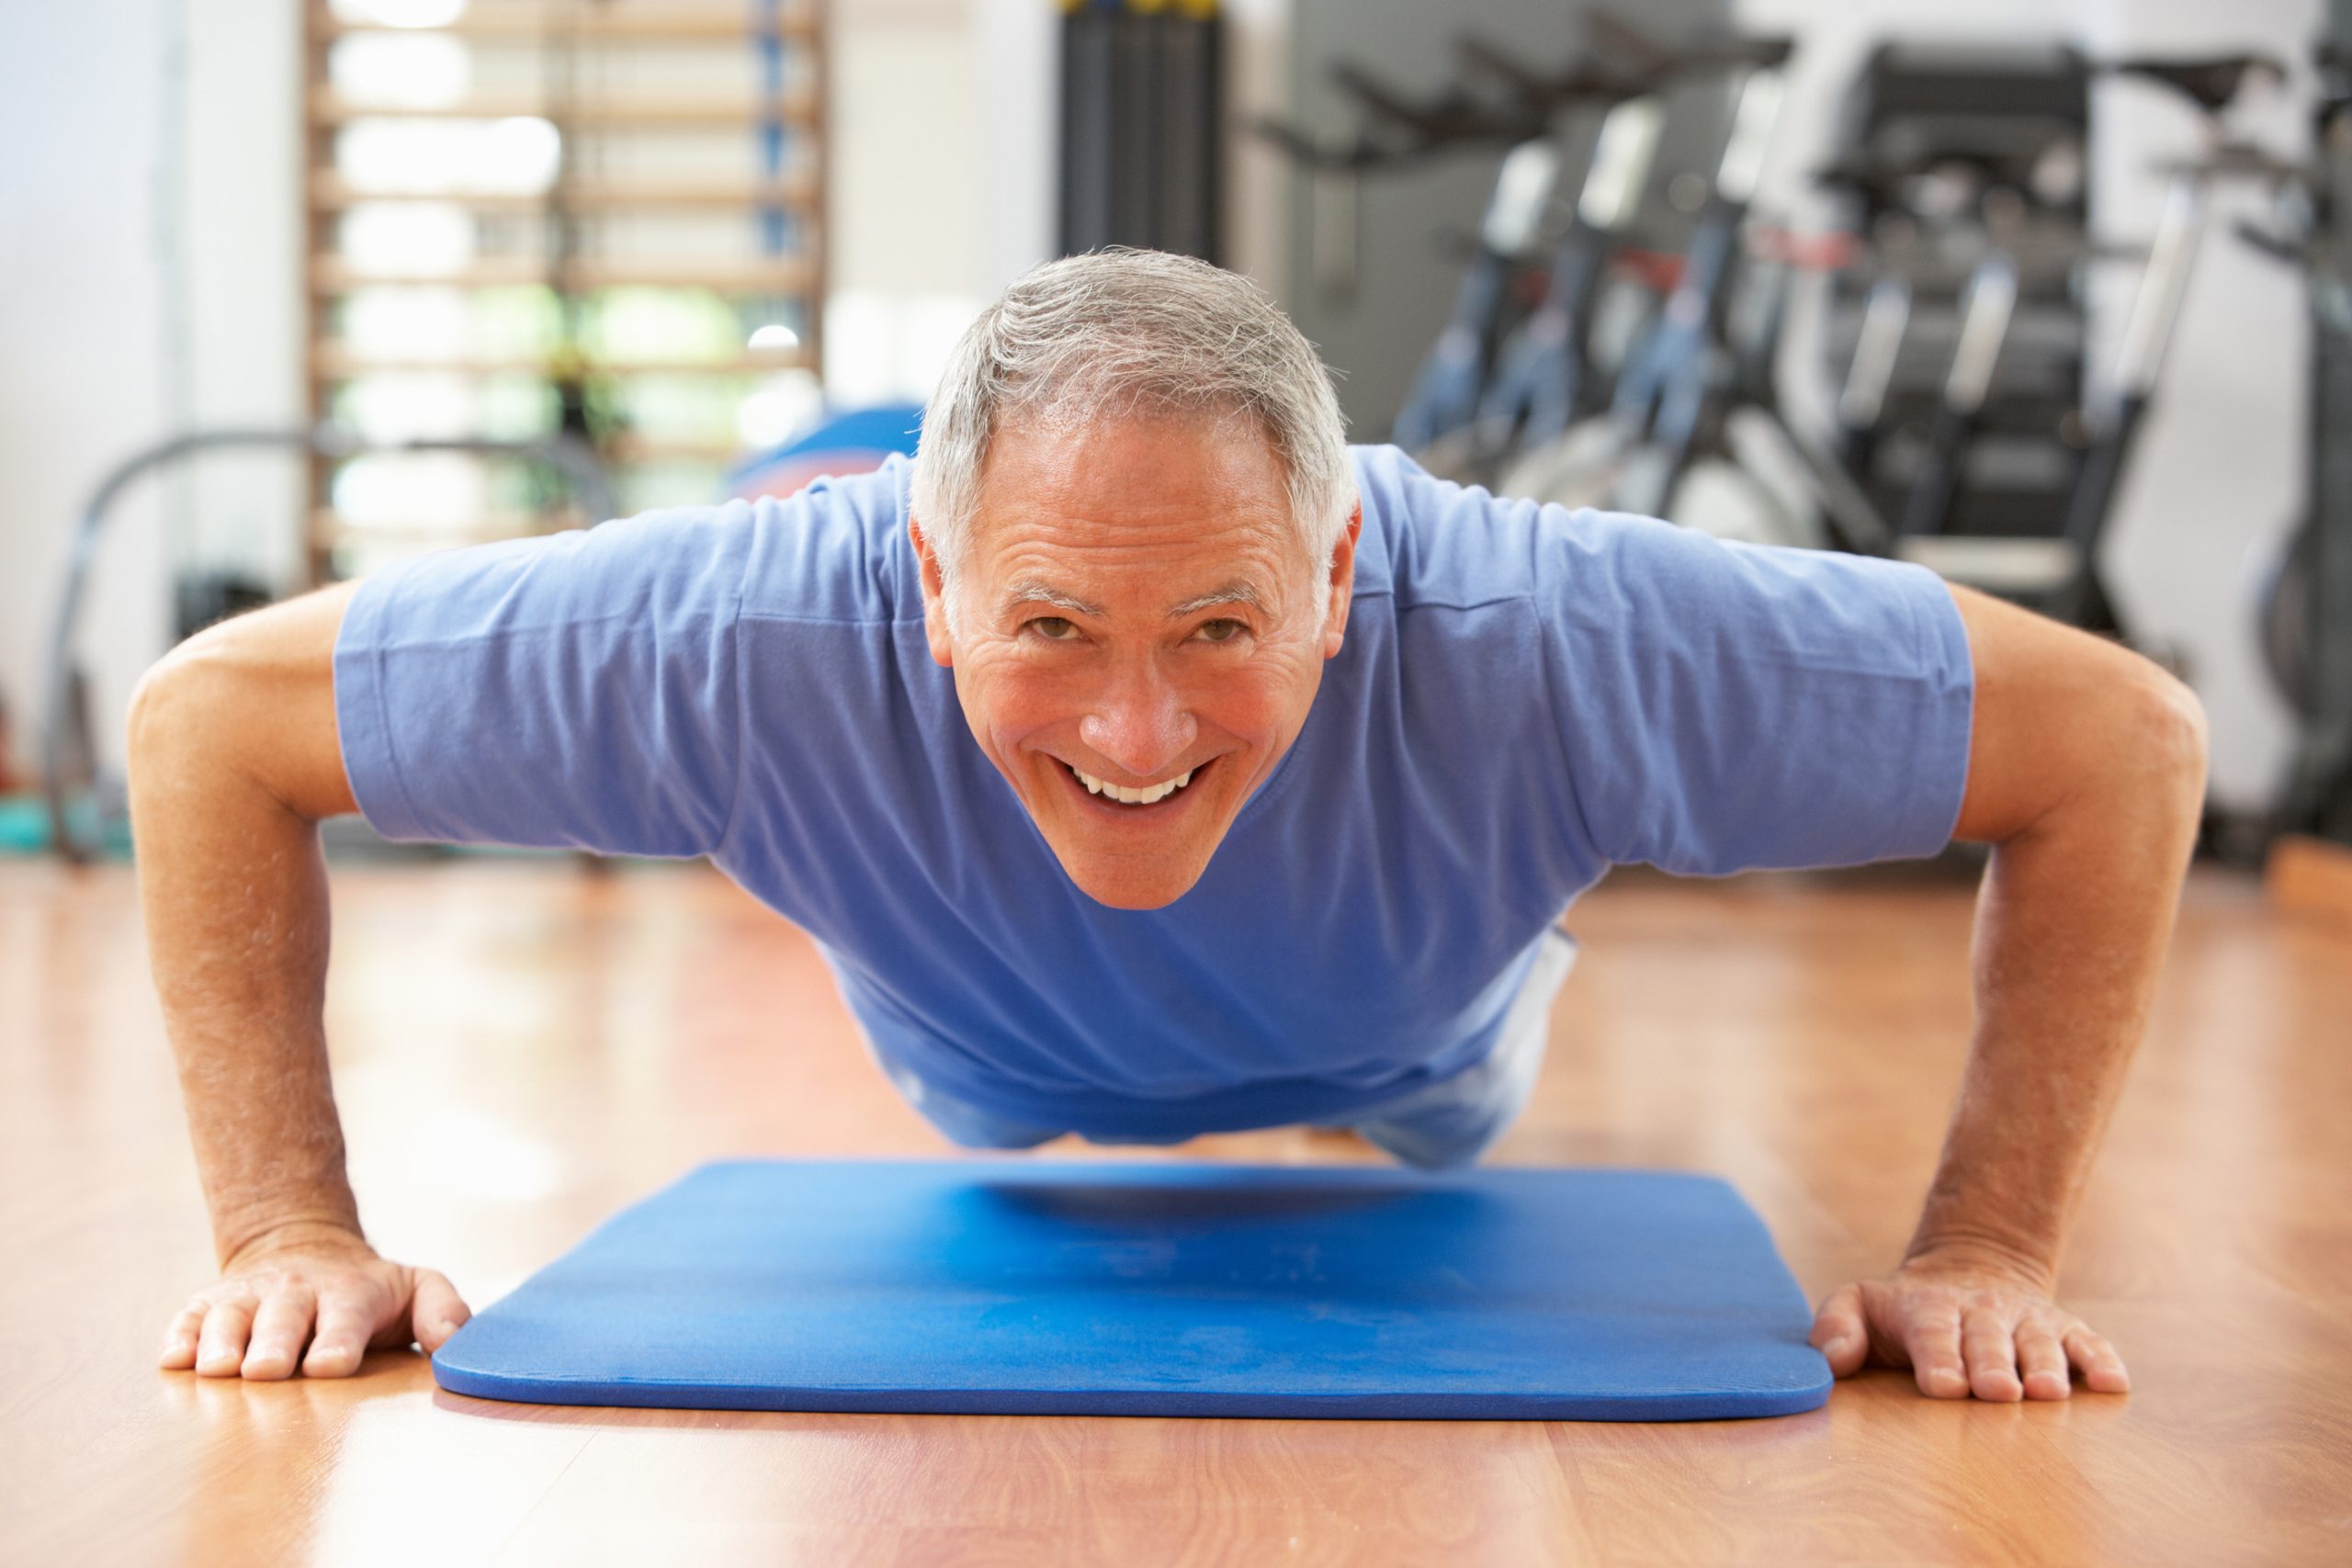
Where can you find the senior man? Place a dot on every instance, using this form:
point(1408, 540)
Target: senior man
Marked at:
point(1147, 763)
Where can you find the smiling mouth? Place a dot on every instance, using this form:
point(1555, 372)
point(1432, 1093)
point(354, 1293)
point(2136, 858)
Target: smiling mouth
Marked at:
point(1134, 799)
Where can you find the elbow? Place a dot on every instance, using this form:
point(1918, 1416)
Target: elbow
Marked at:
point(2174, 742)
point(244, 708)
point(159, 720)
point(174, 714)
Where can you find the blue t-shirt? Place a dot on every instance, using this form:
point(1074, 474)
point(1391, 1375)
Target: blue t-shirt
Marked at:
point(1526, 696)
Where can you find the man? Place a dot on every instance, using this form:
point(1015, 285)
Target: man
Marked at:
point(1147, 763)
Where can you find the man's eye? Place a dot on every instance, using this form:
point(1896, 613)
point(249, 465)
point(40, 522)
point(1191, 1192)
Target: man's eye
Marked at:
point(1220, 631)
point(1054, 628)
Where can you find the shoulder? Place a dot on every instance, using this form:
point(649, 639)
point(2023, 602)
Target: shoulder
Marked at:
point(1432, 543)
point(1466, 574)
point(836, 550)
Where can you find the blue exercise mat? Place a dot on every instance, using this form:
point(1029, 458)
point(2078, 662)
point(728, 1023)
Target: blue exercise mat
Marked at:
point(1036, 1287)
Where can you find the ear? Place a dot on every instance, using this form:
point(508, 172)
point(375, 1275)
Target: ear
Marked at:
point(934, 597)
point(1343, 582)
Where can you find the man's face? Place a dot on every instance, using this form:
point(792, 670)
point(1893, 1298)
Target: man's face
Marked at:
point(1136, 611)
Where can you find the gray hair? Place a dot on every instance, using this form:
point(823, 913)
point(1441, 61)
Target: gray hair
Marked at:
point(1119, 333)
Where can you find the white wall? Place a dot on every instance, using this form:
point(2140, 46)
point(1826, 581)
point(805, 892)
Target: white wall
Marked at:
point(905, 204)
point(149, 257)
point(943, 180)
point(1016, 66)
point(241, 282)
point(80, 309)
point(1259, 183)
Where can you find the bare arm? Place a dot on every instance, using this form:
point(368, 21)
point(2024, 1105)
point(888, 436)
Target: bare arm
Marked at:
point(2086, 773)
point(235, 760)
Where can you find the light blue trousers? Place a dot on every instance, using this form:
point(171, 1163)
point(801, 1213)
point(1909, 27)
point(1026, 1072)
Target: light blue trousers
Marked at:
point(1450, 1123)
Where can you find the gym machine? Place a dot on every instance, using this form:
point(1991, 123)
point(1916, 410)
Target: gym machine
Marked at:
point(1445, 393)
point(1515, 360)
point(1631, 457)
point(2305, 614)
point(1964, 407)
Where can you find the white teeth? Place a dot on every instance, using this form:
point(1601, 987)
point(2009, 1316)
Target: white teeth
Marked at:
point(1151, 797)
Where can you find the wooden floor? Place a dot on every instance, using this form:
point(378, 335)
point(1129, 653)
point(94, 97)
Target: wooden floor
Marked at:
point(523, 1047)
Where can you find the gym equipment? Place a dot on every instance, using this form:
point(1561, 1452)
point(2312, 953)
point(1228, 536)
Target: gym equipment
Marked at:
point(1545, 376)
point(1042, 1287)
point(1693, 428)
point(853, 441)
point(2000, 469)
point(1471, 411)
point(1984, 322)
point(86, 811)
point(2305, 612)
point(1396, 131)
point(1444, 396)
point(2080, 597)
point(1631, 456)
point(1499, 374)
point(1142, 127)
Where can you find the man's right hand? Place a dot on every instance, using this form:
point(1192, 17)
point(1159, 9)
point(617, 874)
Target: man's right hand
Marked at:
point(313, 1285)
point(236, 758)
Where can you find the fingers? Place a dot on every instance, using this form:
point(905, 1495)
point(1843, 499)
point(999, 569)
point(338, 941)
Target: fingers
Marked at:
point(281, 1329)
point(1935, 1349)
point(317, 1312)
point(1965, 1331)
point(1988, 1344)
point(2042, 1360)
point(1839, 1332)
point(345, 1324)
point(221, 1346)
point(435, 1310)
point(2102, 1367)
point(179, 1338)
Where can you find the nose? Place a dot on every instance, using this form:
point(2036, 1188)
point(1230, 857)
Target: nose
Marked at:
point(1140, 723)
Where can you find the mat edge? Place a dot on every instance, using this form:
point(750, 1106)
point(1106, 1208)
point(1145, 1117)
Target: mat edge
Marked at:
point(1062, 1402)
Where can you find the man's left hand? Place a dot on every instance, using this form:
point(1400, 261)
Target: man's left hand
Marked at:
point(1966, 1326)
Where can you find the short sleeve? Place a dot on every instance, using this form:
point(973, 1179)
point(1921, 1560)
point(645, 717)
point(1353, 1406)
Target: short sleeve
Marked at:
point(1726, 707)
point(579, 689)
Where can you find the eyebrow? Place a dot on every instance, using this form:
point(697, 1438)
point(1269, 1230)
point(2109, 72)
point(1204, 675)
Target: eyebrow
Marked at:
point(1239, 592)
point(1031, 591)
point(1035, 593)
